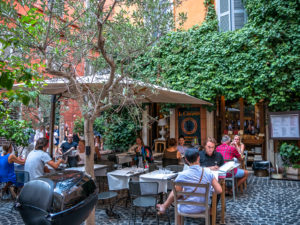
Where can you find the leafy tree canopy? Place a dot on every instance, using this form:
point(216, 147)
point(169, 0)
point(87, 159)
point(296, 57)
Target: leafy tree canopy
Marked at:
point(259, 61)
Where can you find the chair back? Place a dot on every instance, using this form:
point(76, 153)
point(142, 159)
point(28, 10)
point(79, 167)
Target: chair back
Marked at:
point(186, 201)
point(38, 194)
point(137, 189)
point(22, 176)
point(246, 158)
point(175, 168)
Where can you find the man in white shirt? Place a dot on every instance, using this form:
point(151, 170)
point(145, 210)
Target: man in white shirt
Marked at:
point(37, 159)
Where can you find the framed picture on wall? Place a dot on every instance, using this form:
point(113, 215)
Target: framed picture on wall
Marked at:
point(284, 125)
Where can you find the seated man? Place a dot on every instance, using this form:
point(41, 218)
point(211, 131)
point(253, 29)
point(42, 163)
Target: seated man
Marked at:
point(38, 158)
point(229, 152)
point(209, 157)
point(191, 175)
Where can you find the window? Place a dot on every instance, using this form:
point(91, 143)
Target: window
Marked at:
point(231, 14)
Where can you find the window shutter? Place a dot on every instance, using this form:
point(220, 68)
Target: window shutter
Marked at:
point(239, 14)
point(224, 15)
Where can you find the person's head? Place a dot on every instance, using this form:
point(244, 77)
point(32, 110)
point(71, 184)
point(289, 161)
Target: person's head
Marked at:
point(181, 140)
point(225, 139)
point(81, 146)
point(237, 139)
point(7, 149)
point(56, 127)
point(41, 144)
point(210, 146)
point(191, 155)
point(70, 138)
point(172, 142)
point(139, 141)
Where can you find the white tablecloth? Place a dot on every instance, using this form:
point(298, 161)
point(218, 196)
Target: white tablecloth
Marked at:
point(124, 158)
point(161, 179)
point(119, 179)
point(100, 170)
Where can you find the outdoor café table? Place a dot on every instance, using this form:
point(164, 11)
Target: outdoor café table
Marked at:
point(119, 179)
point(100, 170)
point(160, 177)
point(125, 157)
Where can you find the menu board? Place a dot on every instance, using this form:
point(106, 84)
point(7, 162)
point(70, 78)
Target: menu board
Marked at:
point(284, 125)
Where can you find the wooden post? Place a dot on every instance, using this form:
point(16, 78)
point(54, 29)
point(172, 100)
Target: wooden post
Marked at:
point(52, 121)
point(223, 122)
point(241, 100)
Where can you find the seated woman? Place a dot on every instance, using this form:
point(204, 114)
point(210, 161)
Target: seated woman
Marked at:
point(238, 144)
point(191, 175)
point(141, 150)
point(171, 155)
point(7, 169)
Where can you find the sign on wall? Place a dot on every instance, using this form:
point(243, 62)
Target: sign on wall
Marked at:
point(189, 124)
point(285, 125)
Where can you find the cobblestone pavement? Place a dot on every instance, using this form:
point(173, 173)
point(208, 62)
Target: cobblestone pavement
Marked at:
point(269, 202)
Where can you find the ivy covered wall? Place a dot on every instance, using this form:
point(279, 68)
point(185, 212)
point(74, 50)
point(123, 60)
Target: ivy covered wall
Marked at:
point(259, 61)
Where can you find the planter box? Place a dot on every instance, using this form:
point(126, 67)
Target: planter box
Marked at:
point(292, 171)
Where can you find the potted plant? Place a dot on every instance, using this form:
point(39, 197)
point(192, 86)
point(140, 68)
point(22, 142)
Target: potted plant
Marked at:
point(290, 154)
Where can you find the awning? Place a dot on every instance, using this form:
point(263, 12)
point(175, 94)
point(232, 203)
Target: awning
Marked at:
point(143, 92)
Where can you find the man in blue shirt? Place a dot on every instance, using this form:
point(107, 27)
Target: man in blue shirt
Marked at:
point(68, 146)
point(191, 175)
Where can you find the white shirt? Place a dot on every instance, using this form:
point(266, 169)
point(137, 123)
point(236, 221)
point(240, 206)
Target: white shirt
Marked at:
point(35, 163)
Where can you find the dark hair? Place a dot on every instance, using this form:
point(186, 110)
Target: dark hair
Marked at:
point(211, 139)
point(6, 148)
point(138, 137)
point(41, 143)
point(191, 155)
point(172, 142)
point(181, 136)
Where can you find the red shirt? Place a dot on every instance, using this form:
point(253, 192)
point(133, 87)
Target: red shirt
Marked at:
point(228, 152)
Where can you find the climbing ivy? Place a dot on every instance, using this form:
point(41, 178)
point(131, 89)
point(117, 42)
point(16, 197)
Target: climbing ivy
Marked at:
point(259, 61)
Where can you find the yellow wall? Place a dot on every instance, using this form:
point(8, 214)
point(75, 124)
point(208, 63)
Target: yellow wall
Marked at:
point(195, 10)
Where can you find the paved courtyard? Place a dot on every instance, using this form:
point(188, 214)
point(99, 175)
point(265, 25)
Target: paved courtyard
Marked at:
point(268, 202)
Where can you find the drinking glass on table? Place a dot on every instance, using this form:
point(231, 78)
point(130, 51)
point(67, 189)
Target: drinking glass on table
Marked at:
point(134, 168)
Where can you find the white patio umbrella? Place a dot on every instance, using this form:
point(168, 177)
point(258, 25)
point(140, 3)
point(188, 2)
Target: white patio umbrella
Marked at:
point(145, 92)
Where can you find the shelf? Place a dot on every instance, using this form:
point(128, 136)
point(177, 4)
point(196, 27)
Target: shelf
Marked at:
point(253, 153)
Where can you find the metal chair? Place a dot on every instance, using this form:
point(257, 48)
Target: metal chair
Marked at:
point(22, 177)
point(232, 179)
point(34, 202)
point(108, 196)
point(144, 195)
point(178, 200)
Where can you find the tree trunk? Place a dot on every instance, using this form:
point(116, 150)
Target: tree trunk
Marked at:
point(89, 159)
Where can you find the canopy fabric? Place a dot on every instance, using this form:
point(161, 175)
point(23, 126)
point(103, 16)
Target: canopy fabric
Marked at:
point(145, 92)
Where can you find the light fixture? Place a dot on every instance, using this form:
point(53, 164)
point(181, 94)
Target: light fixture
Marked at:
point(162, 123)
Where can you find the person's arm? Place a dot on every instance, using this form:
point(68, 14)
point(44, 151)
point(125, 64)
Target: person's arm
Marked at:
point(55, 165)
point(242, 148)
point(217, 187)
point(237, 154)
point(178, 155)
point(12, 158)
point(98, 152)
